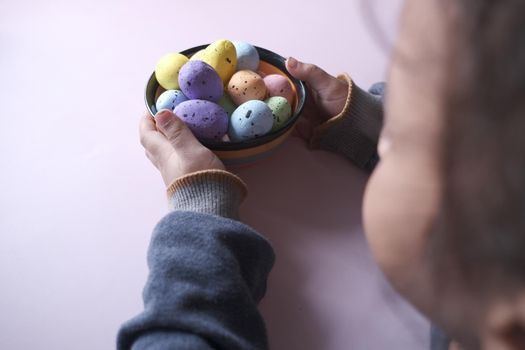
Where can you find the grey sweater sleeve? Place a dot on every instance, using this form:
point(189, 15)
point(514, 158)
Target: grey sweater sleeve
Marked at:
point(207, 274)
point(354, 133)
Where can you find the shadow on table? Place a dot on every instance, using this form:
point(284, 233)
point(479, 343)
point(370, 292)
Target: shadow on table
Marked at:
point(296, 199)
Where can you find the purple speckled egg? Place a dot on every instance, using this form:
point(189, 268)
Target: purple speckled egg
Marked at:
point(207, 120)
point(199, 81)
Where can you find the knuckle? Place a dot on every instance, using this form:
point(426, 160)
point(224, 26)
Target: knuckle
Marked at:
point(312, 69)
point(176, 133)
point(176, 129)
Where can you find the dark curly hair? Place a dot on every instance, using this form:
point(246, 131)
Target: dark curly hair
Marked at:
point(481, 225)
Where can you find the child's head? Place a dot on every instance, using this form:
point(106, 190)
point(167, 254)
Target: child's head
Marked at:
point(445, 208)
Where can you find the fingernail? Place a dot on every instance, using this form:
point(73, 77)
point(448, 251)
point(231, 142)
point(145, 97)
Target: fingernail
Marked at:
point(162, 112)
point(292, 62)
point(163, 116)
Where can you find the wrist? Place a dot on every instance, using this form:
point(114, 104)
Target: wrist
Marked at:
point(354, 132)
point(320, 130)
point(216, 192)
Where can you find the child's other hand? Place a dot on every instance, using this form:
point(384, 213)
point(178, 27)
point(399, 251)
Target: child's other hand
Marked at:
point(327, 95)
point(172, 148)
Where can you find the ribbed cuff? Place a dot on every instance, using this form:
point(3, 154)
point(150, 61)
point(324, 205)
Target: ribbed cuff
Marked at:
point(354, 133)
point(216, 192)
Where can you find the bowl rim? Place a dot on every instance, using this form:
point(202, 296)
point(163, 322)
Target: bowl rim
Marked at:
point(265, 55)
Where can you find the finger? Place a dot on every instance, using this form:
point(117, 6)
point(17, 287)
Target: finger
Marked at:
point(297, 135)
point(304, 129)
point(147, 123)
point(174, 129)
point(317, 78)
point(152, 158)
point(150, 138)
point(311, 110)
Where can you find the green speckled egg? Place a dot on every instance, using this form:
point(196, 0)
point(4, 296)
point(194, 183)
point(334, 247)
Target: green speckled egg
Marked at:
point(227, 104)
point(281, 111)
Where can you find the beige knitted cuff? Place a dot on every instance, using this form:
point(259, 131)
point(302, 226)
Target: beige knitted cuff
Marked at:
point(216, 192)
point(320, 130)
point(354, 132)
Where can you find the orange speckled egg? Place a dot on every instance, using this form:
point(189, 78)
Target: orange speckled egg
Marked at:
point(245, 86)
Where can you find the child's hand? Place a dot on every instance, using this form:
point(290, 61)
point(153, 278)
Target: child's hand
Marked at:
point(327, 95)
point(172, 148)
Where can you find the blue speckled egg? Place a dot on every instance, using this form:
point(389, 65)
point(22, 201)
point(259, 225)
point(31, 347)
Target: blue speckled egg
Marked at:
point(199, 81)
point(170, 99)
point(250, 120)
point(247, 56)
point(207, 120)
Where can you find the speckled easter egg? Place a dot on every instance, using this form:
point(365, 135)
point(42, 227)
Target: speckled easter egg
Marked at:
point(281, 111)
point(247, 56)
point(197, 56)
point(168, 68)
point(222, 56)
point(227, 104)
point(246, 85)
point(207, 120)
point(250, 120)
point(199, 81)
point(277, 85)
point(170, 99)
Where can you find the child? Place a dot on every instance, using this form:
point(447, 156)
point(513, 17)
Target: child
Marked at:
point(444, 209)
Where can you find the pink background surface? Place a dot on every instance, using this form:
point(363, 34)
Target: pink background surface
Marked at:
point(79, 199)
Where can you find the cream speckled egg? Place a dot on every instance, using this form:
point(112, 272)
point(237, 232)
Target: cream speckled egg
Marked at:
point(168, 68)
point(197, 56)
point(222, 56)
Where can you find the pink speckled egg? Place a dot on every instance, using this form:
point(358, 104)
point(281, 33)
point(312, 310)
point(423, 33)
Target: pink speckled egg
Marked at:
point(277, 85)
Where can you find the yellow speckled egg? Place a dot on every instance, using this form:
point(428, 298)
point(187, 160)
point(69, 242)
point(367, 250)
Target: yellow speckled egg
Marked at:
point(197, 56)
point(222, 56)
point(168, 68)
point(246, 85)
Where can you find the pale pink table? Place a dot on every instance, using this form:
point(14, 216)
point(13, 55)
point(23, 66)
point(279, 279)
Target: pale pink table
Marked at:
point(79, 199)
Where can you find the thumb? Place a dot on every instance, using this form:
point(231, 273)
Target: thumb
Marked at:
point(317, 78)
point(174, 129)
